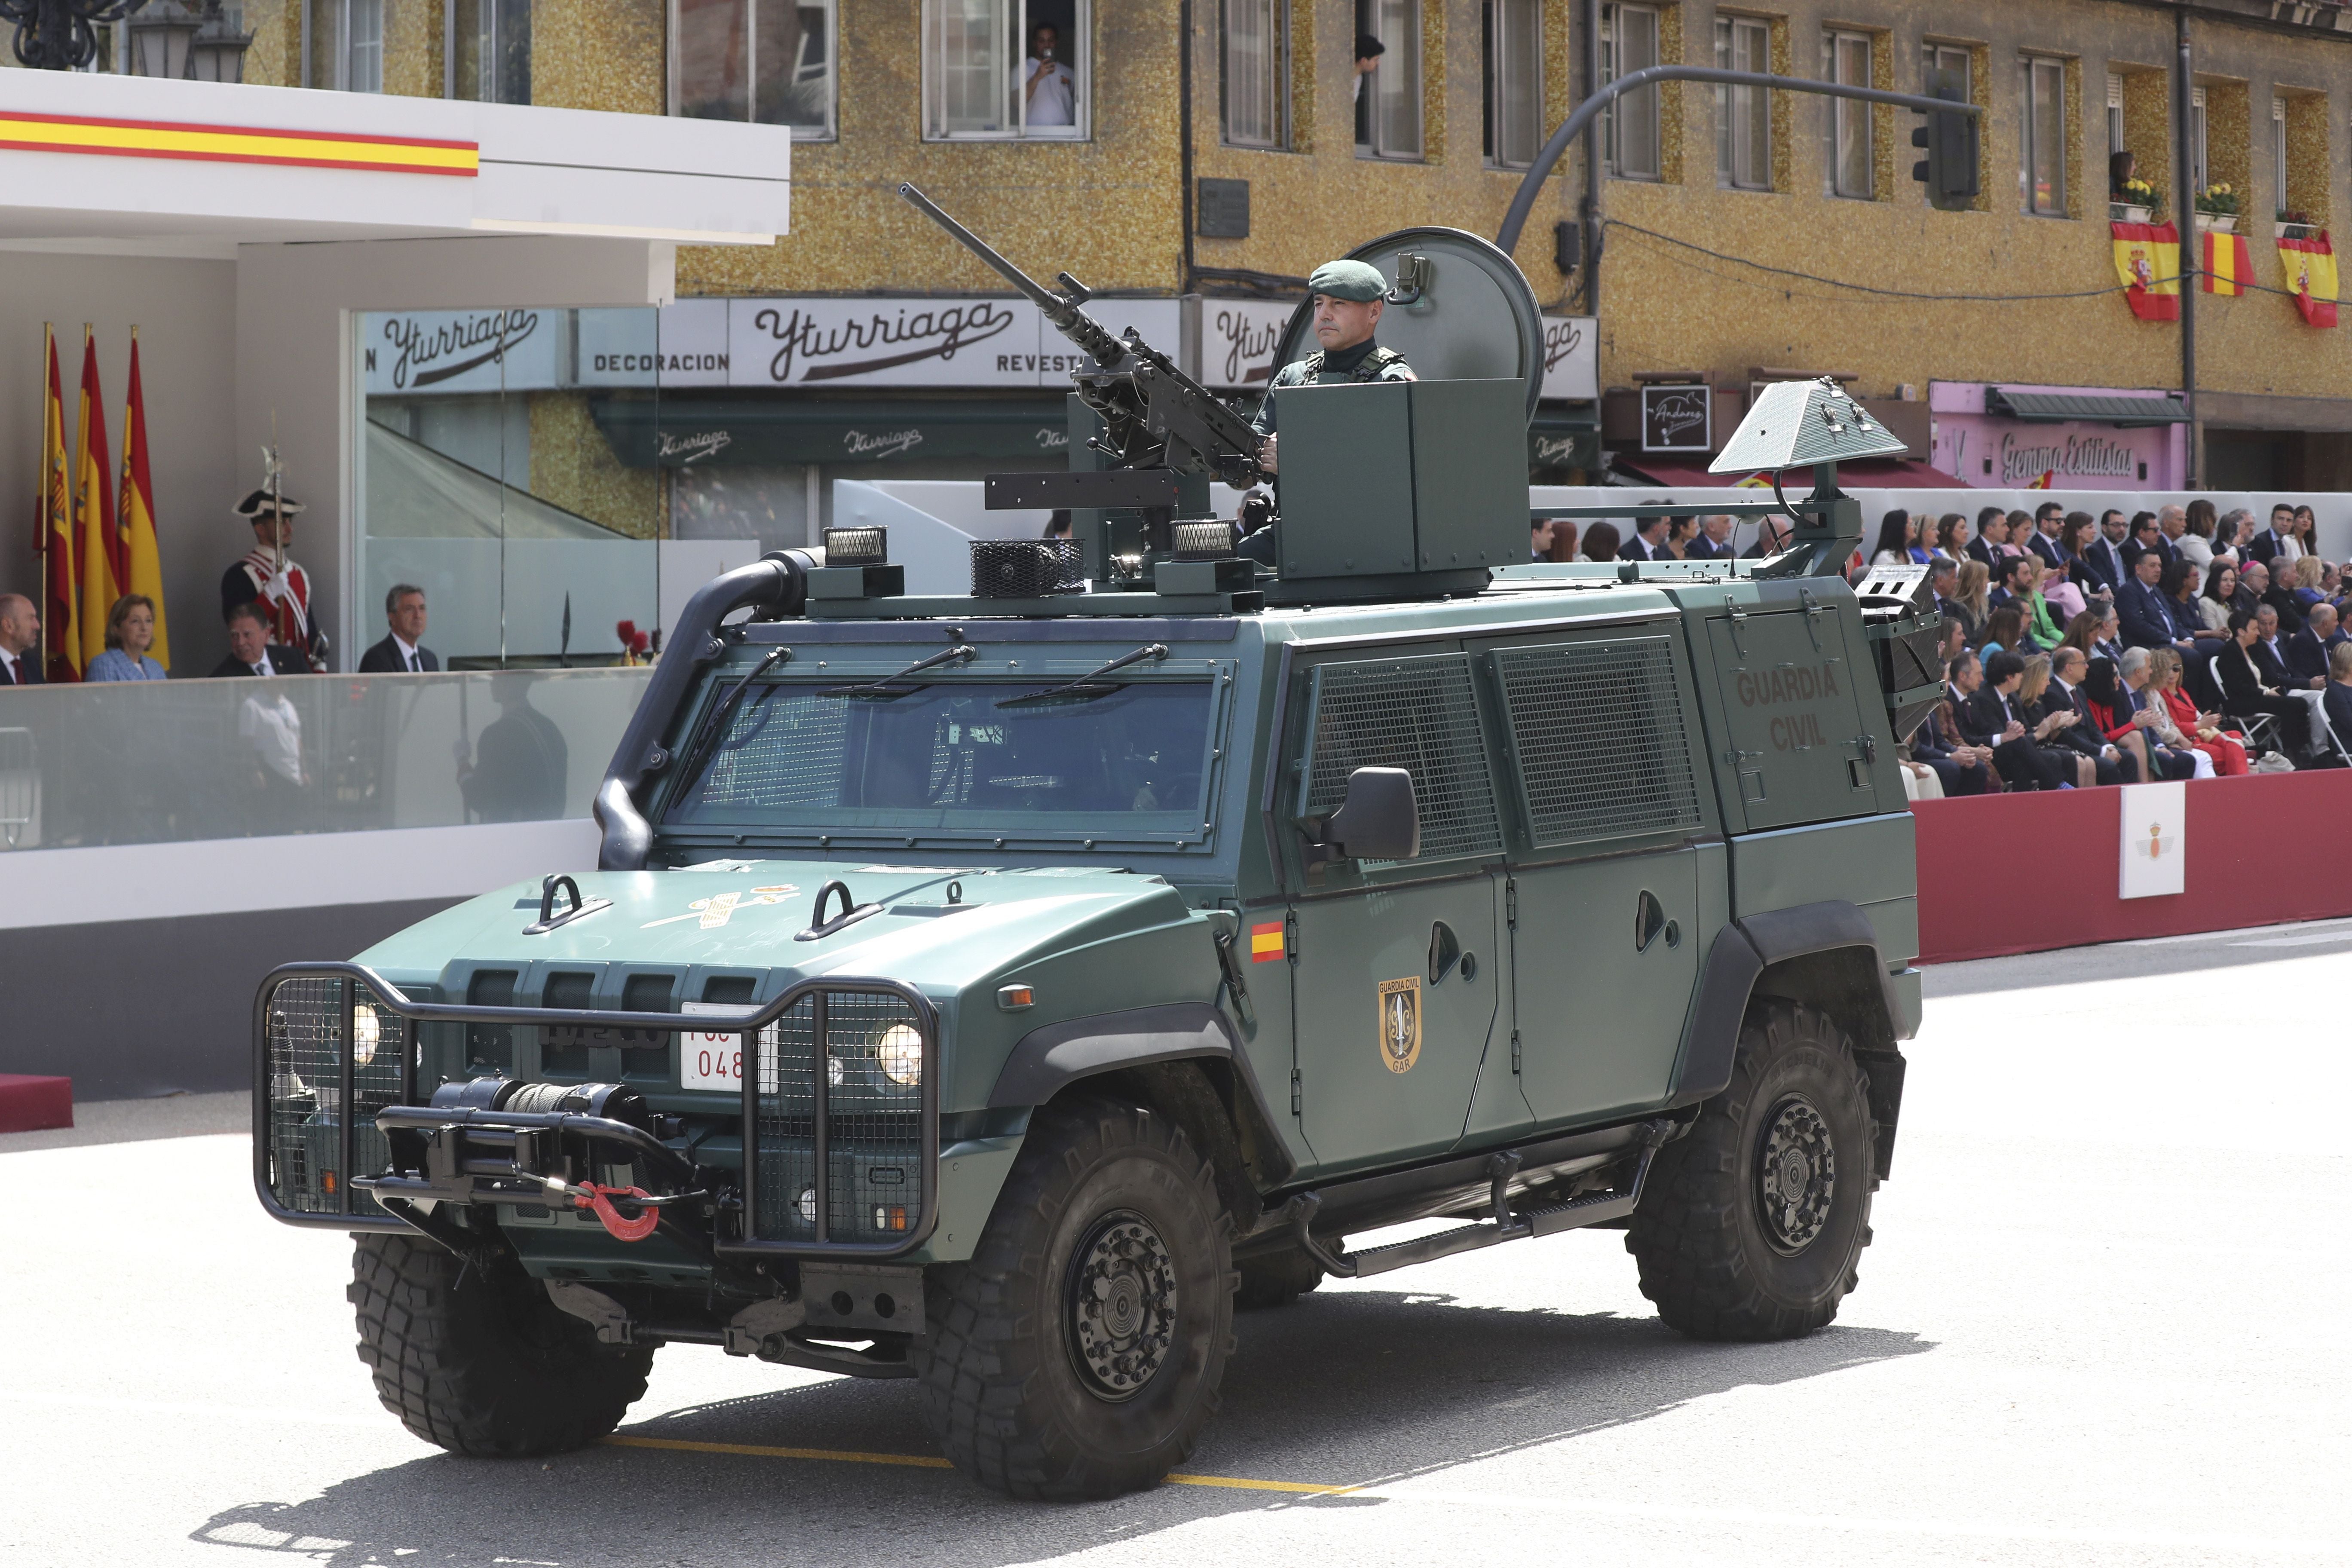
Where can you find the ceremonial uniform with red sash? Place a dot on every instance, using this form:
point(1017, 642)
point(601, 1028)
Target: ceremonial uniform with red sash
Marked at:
point(284, 598)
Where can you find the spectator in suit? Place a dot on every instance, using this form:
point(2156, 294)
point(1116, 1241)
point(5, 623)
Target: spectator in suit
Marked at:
point(1989, 716)
point(2269, 650)
point(2103, 557)
point(2172, 526)
point(2067, 667)
point(2047, 518)
point(1992, 528)
point(518, 771)
point(2108, 704)
point(2144, 536)
point(1943, 580)
point(1959, 768)
point(20, 632)
point(2247, 692)
point(2050, 723)
point(1713, 541)
point(2178, 586)
point(2253, 581)
point(1539, 539)
point(1680, 531)
point(251, 651)
point(402, 649)
point(130, 633)
point(2337, 696)
point(1649, 540)
point(2140, 604)
point(2198, 734)
point(2232, 534)
point(1771, 537)
point(2310, 651)
point(2076, 537)
point(2168, 761)
point(1600, 541)
point(2278, 539)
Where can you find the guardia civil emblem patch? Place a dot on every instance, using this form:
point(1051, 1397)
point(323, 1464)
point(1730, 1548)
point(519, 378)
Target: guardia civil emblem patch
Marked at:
point(1401, 1023)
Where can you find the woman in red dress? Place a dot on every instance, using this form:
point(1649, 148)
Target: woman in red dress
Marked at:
point(2203, 731)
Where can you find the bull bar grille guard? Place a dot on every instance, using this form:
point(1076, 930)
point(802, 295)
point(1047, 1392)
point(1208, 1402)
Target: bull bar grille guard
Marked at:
point(388, 1086)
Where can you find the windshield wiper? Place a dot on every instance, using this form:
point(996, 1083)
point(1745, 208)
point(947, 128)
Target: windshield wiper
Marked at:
point(1091, 685)
point(714, 722)
point(880, 690)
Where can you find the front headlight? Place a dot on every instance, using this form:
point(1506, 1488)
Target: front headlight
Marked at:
point(367, 1032)
point(899, 1052)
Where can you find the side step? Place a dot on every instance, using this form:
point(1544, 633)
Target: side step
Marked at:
point(1592, 1208)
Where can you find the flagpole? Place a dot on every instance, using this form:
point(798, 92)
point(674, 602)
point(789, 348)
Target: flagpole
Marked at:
point(2184, 206)
point(41, 507)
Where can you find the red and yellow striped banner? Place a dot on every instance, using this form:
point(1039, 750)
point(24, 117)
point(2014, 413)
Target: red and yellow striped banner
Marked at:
point(237, 144)
point(2227, 263)
point(1265, 942)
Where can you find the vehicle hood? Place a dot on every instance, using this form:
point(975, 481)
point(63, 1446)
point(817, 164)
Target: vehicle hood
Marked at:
point(750, 914)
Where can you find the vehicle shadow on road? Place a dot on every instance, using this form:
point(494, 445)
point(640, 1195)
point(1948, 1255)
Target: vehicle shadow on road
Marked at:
point(1344, 1388)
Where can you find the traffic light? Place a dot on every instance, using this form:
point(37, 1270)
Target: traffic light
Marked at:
point(1950, 170)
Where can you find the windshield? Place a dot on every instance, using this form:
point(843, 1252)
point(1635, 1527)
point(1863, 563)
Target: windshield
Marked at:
point(1126, 763)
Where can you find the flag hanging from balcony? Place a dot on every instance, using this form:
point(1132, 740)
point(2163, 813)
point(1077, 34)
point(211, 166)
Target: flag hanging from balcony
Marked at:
point(135, 516)
point(61, 627)
point(2310, 266)
point(2148, 261)
point(98, 557)
point(2227, 263)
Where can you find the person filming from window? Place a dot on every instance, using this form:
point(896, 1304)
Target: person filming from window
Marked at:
point(1049, 91)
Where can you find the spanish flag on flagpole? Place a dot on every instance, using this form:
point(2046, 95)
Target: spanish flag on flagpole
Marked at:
point(99, 554)
point(2227, 263)
point(2311, 277)
point(142, 560)
point(2147, 260)
point(60, 625)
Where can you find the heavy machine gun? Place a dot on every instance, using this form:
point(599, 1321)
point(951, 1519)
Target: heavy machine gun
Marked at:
point(1157, 421)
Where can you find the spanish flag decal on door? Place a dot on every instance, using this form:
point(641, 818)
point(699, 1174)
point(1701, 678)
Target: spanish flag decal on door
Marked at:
point(1265, 942)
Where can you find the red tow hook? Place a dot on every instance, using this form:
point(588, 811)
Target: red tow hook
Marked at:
point(599, 1200)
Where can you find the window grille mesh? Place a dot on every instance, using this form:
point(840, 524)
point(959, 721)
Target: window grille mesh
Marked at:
point(1419, 714)
point(1603, 750)
point(305, 1047)
point(874, 1127)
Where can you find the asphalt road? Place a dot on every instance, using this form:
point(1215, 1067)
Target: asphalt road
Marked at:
point(2104, 1321)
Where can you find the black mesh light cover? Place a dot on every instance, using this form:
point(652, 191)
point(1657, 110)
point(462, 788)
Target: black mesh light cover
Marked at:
point(1025, 568)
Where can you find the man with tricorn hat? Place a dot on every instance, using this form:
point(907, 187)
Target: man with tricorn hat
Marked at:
point(269, 576)
point(1346, 299)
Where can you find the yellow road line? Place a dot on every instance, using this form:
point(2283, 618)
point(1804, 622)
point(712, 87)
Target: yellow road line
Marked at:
point(929, 1462)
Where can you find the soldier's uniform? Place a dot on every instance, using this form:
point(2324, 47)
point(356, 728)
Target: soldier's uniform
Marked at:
point(280, 587)
point(1367, 361)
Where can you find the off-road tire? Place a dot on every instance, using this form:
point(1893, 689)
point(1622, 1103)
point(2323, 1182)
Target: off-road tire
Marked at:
point(1716, 1266)
point(484, 1364)
point(1276, 1278)
point(1000, 1374)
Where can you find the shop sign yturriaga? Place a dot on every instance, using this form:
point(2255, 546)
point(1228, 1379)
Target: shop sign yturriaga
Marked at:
point(1238, 339)
point(405, 351)
point(1571, 359)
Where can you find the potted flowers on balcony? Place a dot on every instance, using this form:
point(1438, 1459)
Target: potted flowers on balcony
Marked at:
point(2135, 201)
point(2295, 224)
point(2216, 209)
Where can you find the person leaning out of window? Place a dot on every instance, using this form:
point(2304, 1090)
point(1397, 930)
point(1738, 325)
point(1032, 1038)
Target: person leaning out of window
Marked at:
point(130, 633)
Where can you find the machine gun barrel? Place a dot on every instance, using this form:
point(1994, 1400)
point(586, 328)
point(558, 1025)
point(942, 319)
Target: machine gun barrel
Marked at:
point(1068, 320)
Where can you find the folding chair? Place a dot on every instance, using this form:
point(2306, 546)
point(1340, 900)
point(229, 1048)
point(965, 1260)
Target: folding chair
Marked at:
point(2259, 728)
point(2323, 731)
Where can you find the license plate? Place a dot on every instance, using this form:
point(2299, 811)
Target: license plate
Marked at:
point(707, 1060)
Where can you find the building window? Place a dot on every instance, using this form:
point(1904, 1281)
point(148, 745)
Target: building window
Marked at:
point(1629, 126)
point(1845, 57)
point(2115, 114)
point(770, 61)
point(1743, 115)
point(1388, 100)
point(2278, 154)
point(1254, 84)
point(999, 68)
point(487, 49)
point(2042, 168)
point(345, 52)
point(1513, 59)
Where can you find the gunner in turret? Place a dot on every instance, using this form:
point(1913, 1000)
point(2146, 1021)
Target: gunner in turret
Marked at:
point(1347, 297)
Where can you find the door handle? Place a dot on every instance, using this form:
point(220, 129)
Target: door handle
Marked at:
point(1649, 922)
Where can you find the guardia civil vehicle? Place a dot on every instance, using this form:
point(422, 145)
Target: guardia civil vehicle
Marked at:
point(999, 990)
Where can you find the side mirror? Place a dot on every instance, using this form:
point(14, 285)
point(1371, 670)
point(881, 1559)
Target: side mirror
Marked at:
point(1379, 819)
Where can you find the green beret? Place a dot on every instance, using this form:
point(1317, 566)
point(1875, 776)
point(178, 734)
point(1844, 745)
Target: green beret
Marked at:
point(1357, 280)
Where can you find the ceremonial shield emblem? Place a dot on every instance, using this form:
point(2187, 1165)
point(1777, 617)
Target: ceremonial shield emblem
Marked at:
point(1401, 1023)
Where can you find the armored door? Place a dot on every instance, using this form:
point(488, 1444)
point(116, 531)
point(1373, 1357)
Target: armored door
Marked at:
point(1394, 992)
point(1798, 744)
point(1612, 848)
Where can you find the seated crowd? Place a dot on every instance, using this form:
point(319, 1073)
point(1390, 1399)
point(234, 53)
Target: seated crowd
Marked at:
point(2171, 644)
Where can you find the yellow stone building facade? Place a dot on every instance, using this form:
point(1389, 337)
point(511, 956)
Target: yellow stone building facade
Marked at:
point(1733, 232)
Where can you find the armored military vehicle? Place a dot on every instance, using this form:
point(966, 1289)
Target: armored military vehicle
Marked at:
point(999, 990)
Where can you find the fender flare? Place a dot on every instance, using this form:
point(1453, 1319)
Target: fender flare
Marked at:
point(1742, 950)
point(1051, 1058)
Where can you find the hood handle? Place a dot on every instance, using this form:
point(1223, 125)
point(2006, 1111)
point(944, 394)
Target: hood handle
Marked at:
point(548, 918)
point(819, 927)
